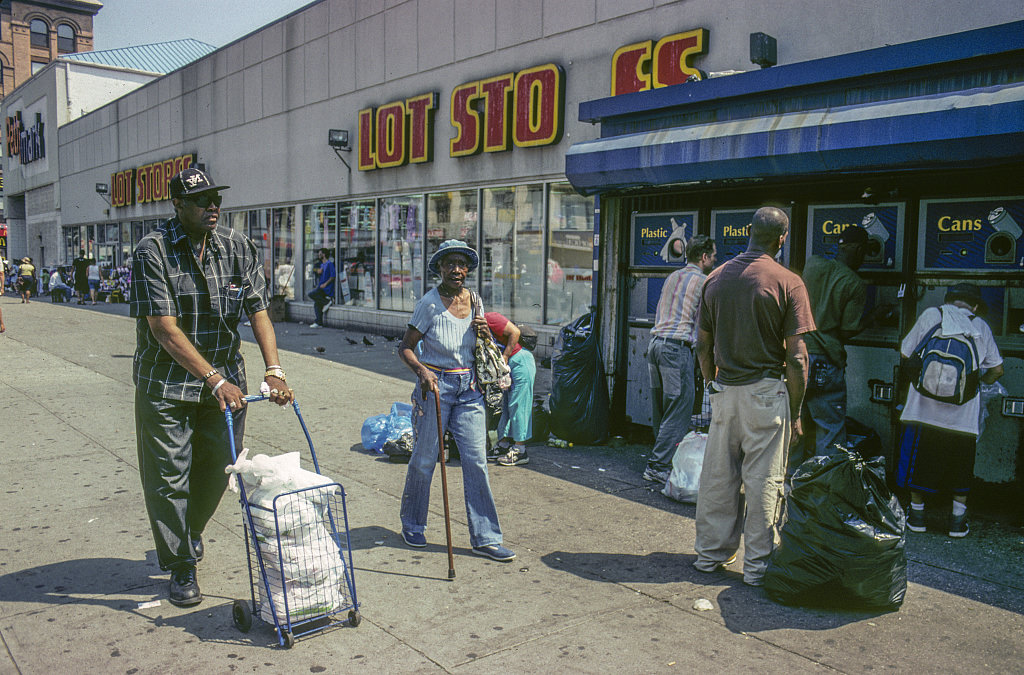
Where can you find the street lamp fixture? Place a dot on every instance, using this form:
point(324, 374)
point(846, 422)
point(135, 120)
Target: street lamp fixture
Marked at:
point(338, 140)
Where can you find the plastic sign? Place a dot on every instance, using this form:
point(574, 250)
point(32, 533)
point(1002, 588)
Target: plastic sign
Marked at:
point(883, 222)
point(147, 183)
point(651, 65)
point(397, 133)
point(27, 144)
point(972, 234)
point(730, 228)
point(659, 239)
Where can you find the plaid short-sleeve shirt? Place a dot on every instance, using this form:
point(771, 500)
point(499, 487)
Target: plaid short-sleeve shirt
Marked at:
point(207, 299)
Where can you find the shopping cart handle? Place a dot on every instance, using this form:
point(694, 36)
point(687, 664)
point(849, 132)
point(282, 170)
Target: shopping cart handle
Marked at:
point(255, 397)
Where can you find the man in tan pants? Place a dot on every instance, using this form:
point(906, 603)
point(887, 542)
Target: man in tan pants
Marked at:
point(753, 315)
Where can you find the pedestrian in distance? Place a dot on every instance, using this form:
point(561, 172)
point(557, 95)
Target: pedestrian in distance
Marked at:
point(59, 291)
point(191, 283)
point(444, 327)
point(94, 278)
point(670, 358)
point(938, 444)
point(753, 316)
point(323, 295)
point(515, 427)
point(80, 269)
point(26, 279)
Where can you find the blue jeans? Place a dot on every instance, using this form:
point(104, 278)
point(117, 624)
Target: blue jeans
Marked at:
point(672, 392)
point(319, 297)
point(824, 412)
point(462, 413)
point(517, 405)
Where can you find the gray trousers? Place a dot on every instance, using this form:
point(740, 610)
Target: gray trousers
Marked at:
point(183, 448)
point(672, 392)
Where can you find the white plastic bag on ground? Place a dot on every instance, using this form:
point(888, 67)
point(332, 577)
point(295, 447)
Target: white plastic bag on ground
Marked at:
point(684, 479)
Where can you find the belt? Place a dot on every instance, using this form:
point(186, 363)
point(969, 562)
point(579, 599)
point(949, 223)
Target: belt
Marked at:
point(448, 370)
point(681, 343)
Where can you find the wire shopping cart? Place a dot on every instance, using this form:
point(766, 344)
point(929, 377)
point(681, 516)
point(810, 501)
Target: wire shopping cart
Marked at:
point(299, 554)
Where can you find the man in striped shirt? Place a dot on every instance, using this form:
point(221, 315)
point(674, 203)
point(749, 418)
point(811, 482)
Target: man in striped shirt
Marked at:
point(670, 355)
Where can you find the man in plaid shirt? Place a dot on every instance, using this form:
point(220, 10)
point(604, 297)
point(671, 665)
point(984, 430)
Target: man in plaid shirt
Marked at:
point(191, 282)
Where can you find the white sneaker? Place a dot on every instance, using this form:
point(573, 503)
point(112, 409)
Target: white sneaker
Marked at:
point(328, 305)
point(315, 325)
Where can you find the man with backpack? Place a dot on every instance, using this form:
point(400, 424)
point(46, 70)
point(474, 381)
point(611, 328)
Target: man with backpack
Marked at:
point(947, 353)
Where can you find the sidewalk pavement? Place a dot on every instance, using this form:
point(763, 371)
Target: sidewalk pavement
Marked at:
point(603, 581)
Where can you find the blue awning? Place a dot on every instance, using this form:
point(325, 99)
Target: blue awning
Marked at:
point(976, 127)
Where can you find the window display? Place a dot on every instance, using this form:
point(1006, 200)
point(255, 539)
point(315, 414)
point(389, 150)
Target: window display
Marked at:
point(401, 252)
point(513, 252)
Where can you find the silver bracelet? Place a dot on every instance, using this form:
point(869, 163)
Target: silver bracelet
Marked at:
point(218, 386)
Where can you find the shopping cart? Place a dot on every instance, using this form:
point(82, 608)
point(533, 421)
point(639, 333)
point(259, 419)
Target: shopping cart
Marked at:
point(299, 552)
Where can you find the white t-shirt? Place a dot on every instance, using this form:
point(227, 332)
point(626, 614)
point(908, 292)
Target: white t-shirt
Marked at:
point(93, 273)
point(963, 418)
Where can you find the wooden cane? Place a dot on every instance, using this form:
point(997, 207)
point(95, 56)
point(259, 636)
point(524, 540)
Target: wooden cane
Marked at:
point(444, 484)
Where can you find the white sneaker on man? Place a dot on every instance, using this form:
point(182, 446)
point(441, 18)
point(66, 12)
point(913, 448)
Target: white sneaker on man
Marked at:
point(327, 306)
point(315, 325)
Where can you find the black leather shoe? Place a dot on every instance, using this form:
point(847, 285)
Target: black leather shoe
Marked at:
point(197, 548)
point(184, 589)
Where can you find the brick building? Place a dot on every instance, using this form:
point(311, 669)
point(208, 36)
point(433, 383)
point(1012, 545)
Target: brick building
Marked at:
point(34, 33)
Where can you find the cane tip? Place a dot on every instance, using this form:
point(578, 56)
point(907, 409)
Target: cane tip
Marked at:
point(451, 574)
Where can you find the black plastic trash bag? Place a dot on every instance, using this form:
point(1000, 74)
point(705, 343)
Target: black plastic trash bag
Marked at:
point(579, 396)
point(541, 420)
point(843, 543)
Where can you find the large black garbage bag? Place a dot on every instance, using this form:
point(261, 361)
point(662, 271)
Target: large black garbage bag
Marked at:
point(578, 405)
point(843, 543)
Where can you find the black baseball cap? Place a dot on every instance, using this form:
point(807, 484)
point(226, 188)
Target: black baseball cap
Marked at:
point(192, 182)
point(854, 234)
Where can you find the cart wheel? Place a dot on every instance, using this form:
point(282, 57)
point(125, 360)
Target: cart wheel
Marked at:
point(354, 618)
point(289, 639)
point(242, 615)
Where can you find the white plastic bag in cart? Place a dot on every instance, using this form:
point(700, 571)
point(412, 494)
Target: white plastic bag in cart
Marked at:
point(684, 479)
point(273, 475)
point(314, 561)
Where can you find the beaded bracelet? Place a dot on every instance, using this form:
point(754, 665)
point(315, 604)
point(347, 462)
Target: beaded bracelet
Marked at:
point(210, 374)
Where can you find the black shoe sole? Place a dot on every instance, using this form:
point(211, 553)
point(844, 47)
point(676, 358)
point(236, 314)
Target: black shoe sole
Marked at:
point(191, 602)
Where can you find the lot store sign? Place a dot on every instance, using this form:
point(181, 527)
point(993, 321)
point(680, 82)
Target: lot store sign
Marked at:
point(524, 109)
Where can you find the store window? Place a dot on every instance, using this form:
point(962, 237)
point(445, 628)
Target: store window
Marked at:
point(356, 236)
point(320, 230)
point(401, 252)
point(570, 266)
point(451, 215)
point(513, 252)
point(281, 222)
point(40, 34)
point(65, 39)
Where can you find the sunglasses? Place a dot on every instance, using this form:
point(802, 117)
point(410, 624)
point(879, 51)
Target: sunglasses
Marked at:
point(204, 200)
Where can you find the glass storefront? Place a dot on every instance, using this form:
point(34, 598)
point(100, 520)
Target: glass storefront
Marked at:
point(319, 230)
point(282, 227)
point(570, 266)
point(513, 252)
point(535, 245)
point(356, 235)
point(401, 252)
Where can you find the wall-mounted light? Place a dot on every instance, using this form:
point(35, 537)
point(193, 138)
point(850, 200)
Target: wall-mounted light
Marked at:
point(102, 189)
point(763, 50)
point(338, 140)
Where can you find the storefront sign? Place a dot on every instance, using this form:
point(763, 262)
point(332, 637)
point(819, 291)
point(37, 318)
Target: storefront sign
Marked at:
point(147, 183)
point(972, 234)
point(883, 222)
point(397, 133)
point(524, 109)
point(29, 144)
point(659, 239)
point(731, 231)
point(651, 65)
